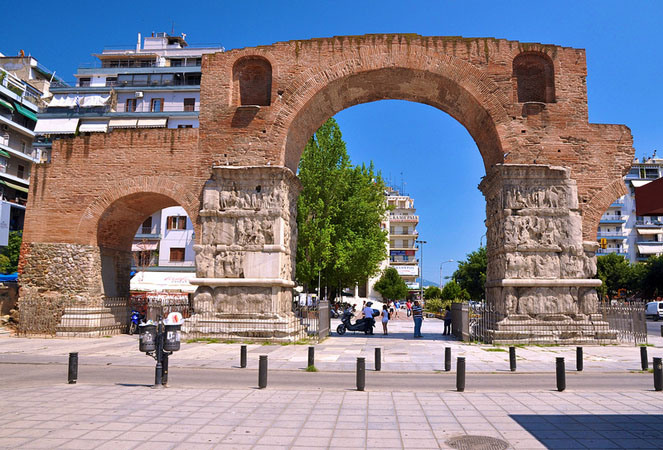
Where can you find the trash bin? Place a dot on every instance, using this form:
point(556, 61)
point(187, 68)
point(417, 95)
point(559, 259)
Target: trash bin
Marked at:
point(172, 341)
point(148, 338)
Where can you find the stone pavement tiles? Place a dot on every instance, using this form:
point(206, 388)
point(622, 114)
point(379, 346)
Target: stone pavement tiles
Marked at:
point(127, 417)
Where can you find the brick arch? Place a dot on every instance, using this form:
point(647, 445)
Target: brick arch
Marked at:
point(109, 220)
point(445, 82)
point(594, 209)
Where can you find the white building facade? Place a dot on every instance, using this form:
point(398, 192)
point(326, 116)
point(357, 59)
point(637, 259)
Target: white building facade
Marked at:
point(635, 238)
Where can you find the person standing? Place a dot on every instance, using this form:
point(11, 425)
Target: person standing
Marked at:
point(368, 315)
point(418, 316)
point(408, 305)
point(397, 306)
point(447, 321)
point(385, 319)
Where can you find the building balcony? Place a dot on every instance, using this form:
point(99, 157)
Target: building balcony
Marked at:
point(617, 204)
point(607, 251)
point(148, 235)
point(652, 224)
point(612, 236)
point(612, 219)
point(400, 234)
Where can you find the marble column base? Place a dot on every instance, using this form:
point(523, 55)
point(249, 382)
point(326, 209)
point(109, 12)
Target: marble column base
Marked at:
point(91, 322)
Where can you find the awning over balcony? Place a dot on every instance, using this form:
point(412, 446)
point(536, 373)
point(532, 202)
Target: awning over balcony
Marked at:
point(649, 199)
point(144, 246)
point(162, 281)
point(649, 231)
point(71, 100)
point(6, 105)
point(152, 123)
point(26, 112)
point(122, 123)
point(94, 126)
point(650, 249)
point(639, 183)
point(56, 126)
point(4, 153)
point(14, 186)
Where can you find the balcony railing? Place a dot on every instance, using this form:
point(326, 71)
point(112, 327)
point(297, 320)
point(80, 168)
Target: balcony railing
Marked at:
point(614, 235)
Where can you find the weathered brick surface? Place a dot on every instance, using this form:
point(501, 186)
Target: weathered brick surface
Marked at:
point(98, 189)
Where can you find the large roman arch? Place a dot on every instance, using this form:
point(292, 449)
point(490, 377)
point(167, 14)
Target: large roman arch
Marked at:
point(549, 173)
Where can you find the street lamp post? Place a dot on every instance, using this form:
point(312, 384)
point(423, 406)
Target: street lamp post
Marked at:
point(421, 271)
point(441, 264)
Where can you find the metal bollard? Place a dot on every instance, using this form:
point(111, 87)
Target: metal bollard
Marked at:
point(447, 359)
point(460, 374)
point(72, 376)
point(262, 372)
point(164, 370)
point(661, 330)
point(361, 373)
point(561, 375)
point(242, 356)
point(378, 359)
point(579, 361)
point(311, 356)
point(644, 363)
point(658, 374)
point(512, 358)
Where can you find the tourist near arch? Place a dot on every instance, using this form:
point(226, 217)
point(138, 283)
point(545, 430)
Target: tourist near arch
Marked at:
point(550, 174)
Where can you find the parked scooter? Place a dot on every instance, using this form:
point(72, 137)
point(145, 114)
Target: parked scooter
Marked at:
point(366, 324)
point(136, 319)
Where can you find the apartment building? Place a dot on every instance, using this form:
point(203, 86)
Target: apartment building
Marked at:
point(154, 84)
point(23, 82)
point(624, 233)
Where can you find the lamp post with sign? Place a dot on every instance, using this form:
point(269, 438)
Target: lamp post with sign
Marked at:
point(421, 271)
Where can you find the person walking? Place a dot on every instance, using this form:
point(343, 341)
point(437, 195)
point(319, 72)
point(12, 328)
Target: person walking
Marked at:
point(397, 306)
point(385, 319)
point(418, 316)
point(408, 305)
point(447, 321)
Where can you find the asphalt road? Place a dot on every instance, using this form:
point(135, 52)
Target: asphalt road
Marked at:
point(28, 375)
point(654, 327)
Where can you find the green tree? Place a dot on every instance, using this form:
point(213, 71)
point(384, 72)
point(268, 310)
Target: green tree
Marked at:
point(471, 274)
point(432, 292)
point(391, 286)
point(615, 272)
point(652, 282)
point(11, 252)
point(452, 291)
point(339, 213)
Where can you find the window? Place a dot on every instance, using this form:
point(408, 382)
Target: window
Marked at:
point(252, 77)
point(176, 223)
point(534, 76)
point(84, 82)
point(176, 62)
point(176, 254)
point(20, 172)
point(146, 228)
point(156, 105)
point(185, 126)
point(189, 104)
point(130, 105)
point(111, 81)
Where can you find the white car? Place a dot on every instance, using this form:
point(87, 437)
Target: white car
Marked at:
point(654, 310)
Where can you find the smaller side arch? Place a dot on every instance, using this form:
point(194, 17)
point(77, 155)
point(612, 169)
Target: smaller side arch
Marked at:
point(252, 81)
point(594, 209)
point(534, 77)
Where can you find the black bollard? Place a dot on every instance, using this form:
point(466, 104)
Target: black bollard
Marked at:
point(72, 376)
point(512, 358)
point(658, 374)
point(242, 356)
point(561, 375)
point(361, 373)
point(661, 330)
point(643, 358)
point(311, 356)
point(378, 359)
point(262, 372)
point(164, 370)
point(460, 374)
point(579, 359)
point(447, 359)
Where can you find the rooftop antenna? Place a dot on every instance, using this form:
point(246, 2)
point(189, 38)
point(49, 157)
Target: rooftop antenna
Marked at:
point(172, 29)
point(402, 189)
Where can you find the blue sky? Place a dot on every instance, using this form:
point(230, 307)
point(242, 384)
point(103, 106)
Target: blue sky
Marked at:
point(437, 158)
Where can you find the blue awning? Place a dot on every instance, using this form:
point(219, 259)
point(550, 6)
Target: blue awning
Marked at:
point(9, 277)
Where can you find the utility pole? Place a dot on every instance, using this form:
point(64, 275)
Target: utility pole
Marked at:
point(421, 271)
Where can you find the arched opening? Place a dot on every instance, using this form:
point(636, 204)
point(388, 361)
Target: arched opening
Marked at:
point(117, 230)
point(535, 77)
point(252, 81)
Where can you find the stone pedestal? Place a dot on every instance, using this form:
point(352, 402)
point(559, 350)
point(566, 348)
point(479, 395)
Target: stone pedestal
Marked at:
point(539, 276)
point(245, 259)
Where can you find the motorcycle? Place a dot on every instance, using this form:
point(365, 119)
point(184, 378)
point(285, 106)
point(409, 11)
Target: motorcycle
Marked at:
point(366, 324)
point(136, 319)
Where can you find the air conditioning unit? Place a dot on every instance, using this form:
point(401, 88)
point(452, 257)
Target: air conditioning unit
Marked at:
point(138, 94)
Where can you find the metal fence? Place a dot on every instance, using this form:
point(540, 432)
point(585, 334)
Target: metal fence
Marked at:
point(626, 319)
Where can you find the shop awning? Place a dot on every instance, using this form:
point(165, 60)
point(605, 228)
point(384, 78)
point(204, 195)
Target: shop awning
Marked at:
point(56, 126)
point(71, 101)
point(94, 126)
point(162, 281)
point(649, 231)
point(650, 249)
point(122, 123)
point(26, 112)
point(152, 123)
point(144, 246)
point(4, 153)
point(649, 199)
point(14, 186)
point(6, 105)
point(639, 183)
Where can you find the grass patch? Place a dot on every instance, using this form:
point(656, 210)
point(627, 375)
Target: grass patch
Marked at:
point(203, 340)
point(311, 369)
point(267, 343)
point(645, 345)
point(108, 336)
point(494, 349)
point(642, 371)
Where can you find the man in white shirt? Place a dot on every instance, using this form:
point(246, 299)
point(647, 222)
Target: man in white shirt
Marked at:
point(368, 314)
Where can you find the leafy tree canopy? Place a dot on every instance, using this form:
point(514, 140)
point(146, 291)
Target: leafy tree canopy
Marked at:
point(471, 274)
point(652, 281)
point(10, 254)
point(391, 286)
point(432, 292)
point(452, 291)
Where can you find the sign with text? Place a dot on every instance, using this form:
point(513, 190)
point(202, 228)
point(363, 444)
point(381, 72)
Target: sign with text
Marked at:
point(407, 270)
